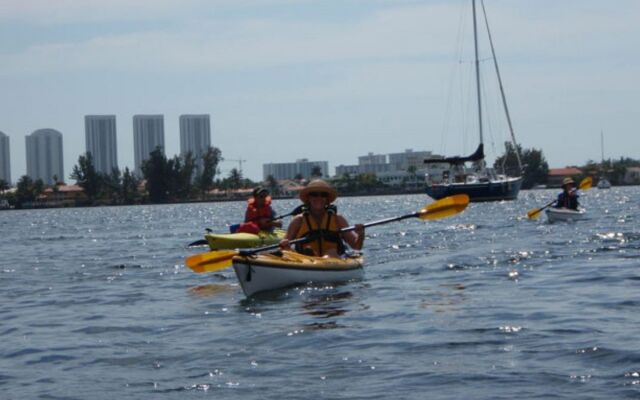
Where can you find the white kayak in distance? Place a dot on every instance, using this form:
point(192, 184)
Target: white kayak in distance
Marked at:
point(565, 214)
point(258, 273)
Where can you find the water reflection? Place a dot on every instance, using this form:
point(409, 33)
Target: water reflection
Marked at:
point(445, 299)
point(327, 306)
point(212, 289)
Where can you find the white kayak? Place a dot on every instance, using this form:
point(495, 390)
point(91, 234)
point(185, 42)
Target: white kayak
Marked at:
point(263, 272)
point(565, 214)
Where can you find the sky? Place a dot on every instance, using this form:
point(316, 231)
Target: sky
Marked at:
point(326, 80)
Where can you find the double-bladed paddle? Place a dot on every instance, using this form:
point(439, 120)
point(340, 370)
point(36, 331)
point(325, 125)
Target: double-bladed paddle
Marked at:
point(585, 184)
point(296, 211)
point(216, 260)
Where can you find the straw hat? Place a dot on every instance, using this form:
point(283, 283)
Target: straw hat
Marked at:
point(567, 181)
point(318, 185)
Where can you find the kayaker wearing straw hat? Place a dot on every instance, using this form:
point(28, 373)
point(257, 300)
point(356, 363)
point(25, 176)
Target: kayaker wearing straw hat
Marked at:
point(569, 197)
point(321, 224)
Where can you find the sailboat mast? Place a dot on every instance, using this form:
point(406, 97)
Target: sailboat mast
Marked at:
point(602, 147)
point(504, 98)
point(475, 43)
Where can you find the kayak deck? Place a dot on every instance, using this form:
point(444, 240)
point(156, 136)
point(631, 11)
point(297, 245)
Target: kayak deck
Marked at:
point(565, 214)
point(274, 271)
point(226, 241)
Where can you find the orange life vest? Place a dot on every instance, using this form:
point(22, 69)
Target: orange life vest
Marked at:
point(323, 236)
point(255, 214)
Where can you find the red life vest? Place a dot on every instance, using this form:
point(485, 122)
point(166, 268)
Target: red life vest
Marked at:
point(254, 213)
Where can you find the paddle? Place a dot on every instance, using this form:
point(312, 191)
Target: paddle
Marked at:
point(203, 242)
point(217, 260)
point(585, 184)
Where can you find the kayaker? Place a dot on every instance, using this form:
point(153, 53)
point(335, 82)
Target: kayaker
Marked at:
point(259, 215)
point(321, 223)
point(569, 196)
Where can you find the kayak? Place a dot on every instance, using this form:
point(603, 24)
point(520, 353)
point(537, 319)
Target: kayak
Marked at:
point(262, 272)
point(565, 214)
point(243, 240)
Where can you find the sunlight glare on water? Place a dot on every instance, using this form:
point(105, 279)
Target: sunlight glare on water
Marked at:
point(488, 304)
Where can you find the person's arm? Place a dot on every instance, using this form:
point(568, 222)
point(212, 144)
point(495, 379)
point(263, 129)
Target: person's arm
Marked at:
point(292, 232)
point(355, 238)
point(275, 223)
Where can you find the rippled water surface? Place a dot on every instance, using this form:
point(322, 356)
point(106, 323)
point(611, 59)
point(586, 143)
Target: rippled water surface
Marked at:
point(97, 304)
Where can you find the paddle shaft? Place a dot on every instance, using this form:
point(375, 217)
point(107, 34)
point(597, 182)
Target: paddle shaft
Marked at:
point(216, 260)
point(553, 202)
point(248, 252)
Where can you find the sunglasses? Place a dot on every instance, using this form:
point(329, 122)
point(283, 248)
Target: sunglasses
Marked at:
point(319, 194)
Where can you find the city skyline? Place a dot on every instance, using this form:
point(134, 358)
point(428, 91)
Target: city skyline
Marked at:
point(329, 80)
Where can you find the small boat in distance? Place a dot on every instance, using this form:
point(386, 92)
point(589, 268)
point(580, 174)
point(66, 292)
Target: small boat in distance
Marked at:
point(478, 182)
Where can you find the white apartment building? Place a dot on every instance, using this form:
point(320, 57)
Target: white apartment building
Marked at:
point(5, 165)
point(195, 136)
point(44, 156)
point(302, 167)
point(100, 139)
point(148, 134)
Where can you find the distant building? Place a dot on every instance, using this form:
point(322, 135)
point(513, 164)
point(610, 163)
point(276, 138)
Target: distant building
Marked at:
point(632, 176)
point(5, 165)
point(351, 170)
point(407, 168)
point(409, 158)
point(556, 175)
point(301, 167)
point(100, 139)
point(44, 156)
point(148, 134)
point(195, 136)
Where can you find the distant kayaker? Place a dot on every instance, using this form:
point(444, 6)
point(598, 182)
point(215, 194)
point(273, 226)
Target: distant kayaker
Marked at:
point(321, 223)
point(259, 215)
point(569, 196)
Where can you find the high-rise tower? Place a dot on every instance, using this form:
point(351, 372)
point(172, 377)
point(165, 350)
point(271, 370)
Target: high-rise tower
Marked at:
point(100, 137)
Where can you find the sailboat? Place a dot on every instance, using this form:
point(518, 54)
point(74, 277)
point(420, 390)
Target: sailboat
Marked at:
point(603, 182)
point(477, 181)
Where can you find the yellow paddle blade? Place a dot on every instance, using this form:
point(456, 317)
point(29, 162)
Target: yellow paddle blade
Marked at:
point(586, 183)
point(535, 213)
point(211, 261)
point(446, 207)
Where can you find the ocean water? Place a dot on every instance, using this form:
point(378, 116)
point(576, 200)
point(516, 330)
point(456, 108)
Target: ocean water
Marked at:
point(96, 303)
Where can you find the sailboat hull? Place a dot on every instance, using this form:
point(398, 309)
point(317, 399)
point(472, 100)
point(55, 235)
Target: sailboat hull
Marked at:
point(493, 190)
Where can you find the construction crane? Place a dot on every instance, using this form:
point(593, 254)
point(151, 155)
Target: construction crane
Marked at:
point(239, 161)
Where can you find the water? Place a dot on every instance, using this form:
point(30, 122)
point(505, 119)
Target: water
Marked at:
point(97, 303)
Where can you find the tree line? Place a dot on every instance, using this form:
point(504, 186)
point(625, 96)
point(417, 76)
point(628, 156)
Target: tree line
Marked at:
point(177, 179)
point(183, 178)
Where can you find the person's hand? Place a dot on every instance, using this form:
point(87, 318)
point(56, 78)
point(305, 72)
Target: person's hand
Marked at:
point(284, 244)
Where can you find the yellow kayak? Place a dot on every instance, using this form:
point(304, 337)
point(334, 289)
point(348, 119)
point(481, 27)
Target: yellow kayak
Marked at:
point(226, 241)
point(257, 273)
